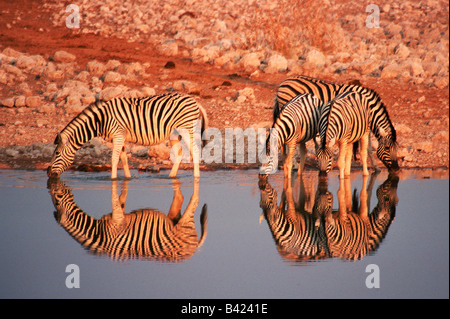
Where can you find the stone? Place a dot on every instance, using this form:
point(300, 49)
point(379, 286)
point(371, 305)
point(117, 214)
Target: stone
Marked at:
point(168, 48)
point(33, 101)
point(415, 67)
point(95, 68)
point(315, 58)
point(11, 52)
point(276, 63)
point(251, 61)
point(8, 102)
point(147, 91)
point(111, 77)
point(391, 71)
point(186, 86)
point(160, 151)
point(63, 56)
point(110, 93)
point(20, 101)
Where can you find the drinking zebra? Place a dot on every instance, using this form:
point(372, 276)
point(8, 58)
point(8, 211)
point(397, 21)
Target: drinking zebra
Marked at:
point(297, 123)
point(349, 118)
point(146, 121)
point(295, 231)
point(326, 91)
point(143, 234)
point(351, 232)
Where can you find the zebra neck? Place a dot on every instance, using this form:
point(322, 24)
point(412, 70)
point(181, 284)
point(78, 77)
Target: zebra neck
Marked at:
point(82, 129)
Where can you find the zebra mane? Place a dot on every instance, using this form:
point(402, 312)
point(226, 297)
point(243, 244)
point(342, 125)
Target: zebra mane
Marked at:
point(70, 129)
point(384, 113)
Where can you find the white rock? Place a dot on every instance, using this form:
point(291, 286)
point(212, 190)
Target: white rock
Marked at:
point(33, 101)
point(168, 48)
point(95, 68)
point(251, 61)
point(276, 63)
point(63, 56)
point(112, 77)
point(315, 58)
point(110, 93)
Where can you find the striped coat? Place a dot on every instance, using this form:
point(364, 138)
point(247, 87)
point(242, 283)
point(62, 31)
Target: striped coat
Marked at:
point(145, 121)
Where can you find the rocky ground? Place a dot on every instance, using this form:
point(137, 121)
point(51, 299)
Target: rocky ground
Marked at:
point(230, 55)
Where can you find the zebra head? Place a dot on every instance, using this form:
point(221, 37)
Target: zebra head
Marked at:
point(387, 150)
point(324, 155)
point(62, 157)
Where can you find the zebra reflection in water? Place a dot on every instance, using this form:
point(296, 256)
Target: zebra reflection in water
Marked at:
point(141, 234)
point(318, 233)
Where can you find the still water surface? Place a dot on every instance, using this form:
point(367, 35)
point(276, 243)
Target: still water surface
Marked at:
point(244, 253)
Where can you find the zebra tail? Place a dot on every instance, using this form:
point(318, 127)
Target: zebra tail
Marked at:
point(276, 109)
point(204, 223)
point(204, 123)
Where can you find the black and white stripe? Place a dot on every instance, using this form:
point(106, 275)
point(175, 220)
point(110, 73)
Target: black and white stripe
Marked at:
point(296, 124)
point(344, 121)
point(349, 118)
point(381, 125)
point(146, 121)
point(140, 234)
point(294, 230)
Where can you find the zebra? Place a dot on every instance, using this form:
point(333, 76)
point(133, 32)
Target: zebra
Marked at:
point(326, 91)
point(146, 121)
point(351, 232)
point(296, 124)
point(344, 121)
point(350, 117)
point(147, 234)
point(294, 230)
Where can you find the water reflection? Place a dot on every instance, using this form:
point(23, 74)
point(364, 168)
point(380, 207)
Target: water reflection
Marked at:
point(142, 234)
point(310, 229)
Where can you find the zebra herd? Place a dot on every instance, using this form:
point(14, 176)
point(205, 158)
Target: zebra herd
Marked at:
point(305, 108)
point(349, 233)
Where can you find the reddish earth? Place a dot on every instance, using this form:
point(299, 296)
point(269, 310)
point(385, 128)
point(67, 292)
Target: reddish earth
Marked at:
point(35, 34)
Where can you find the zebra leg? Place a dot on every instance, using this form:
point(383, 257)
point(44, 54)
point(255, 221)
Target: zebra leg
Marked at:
point(348, 159)
point(176, 164)
point(195, 149)
point(363, 151)
point(177, 201)
point(118, 144)
point(373, 161)
point(124, 160)
point(289, 159)
point(117, 208)
point(301, 165)
point(341, 159)
point(363, 197)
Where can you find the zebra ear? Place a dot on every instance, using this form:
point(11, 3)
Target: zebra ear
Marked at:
point(58, 139)
point(382, 132)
